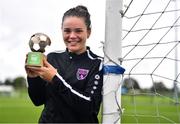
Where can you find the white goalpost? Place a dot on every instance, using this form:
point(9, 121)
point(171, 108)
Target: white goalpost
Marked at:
point(112, 61)
point(147, 33)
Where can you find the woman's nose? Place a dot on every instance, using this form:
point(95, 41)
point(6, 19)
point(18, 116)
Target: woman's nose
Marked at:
point(72, 35)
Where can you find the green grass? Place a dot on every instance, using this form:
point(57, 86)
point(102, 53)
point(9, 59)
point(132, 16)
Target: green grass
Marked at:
point(138, 109)
point(18, 109)
point(149, 109)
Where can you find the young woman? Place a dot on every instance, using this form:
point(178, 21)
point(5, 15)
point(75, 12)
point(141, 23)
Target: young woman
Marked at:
point(69, 84)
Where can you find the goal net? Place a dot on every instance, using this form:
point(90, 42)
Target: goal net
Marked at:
point(150, 44)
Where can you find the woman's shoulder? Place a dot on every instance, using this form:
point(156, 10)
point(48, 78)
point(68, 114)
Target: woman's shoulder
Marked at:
point(55, 54)
point(58, 52)
point(94, 56)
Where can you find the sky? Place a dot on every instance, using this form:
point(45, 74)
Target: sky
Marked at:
point(19, 19)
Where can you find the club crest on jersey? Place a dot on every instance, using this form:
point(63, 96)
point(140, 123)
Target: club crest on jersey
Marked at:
point(82, 73)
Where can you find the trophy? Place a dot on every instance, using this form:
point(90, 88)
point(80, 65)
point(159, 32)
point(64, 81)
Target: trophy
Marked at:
point(37, 44)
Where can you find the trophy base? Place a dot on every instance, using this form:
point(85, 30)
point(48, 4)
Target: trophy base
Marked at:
point(35, 59)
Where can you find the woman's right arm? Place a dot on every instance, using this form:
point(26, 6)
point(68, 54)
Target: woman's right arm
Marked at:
point(36, 86)
point(36, 90)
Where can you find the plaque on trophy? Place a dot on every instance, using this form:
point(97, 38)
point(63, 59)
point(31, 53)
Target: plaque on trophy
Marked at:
point(37, 44)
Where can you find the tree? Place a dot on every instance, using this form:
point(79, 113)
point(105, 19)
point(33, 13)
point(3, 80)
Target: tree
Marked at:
point(19, 82)
point(159, 86)
point(8, 81)
point(130, 83)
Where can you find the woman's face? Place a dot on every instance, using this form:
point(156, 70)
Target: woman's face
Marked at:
point(75, 34)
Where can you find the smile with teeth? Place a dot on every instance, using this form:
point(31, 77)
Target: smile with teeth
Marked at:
point(73, 42)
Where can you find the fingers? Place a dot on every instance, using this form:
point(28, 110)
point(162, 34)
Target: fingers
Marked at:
point(46, 72)
point(30, 73)
point(35, 69)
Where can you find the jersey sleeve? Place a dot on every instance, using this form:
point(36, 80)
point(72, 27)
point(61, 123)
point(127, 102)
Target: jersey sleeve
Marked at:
point(87, 101)
point(36, 90)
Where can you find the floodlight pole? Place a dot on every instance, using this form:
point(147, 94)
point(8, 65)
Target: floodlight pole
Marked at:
point(112, 61)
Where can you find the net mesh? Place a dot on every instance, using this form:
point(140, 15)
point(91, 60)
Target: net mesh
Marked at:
point(150, 46)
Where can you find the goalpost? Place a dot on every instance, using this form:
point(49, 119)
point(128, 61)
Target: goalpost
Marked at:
point(146, 31)
point(112, 61)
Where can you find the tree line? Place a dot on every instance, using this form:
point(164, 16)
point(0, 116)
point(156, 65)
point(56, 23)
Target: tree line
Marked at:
point(128, 83)
point(131, 83)
point(18, 82)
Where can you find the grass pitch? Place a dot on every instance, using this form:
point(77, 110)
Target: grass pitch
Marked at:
point(150, 109)
point(138, 109)
point(18, 109)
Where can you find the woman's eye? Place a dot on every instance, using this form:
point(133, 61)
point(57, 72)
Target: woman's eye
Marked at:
point(78, 30)
point(67, 30)
point(70, 30)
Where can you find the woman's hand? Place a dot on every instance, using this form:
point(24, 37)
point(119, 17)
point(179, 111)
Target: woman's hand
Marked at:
point(46, 72)
point(30, 73)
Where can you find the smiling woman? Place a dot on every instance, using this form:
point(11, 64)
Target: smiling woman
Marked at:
point(69, 84)
point(75, 34)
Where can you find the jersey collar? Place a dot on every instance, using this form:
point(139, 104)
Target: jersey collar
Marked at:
point(77, 56)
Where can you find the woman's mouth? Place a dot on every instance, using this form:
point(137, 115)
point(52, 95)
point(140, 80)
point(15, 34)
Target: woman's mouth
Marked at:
point(73, 42)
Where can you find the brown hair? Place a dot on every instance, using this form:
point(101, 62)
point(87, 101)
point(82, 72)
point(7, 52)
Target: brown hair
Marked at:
point(79, 11)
